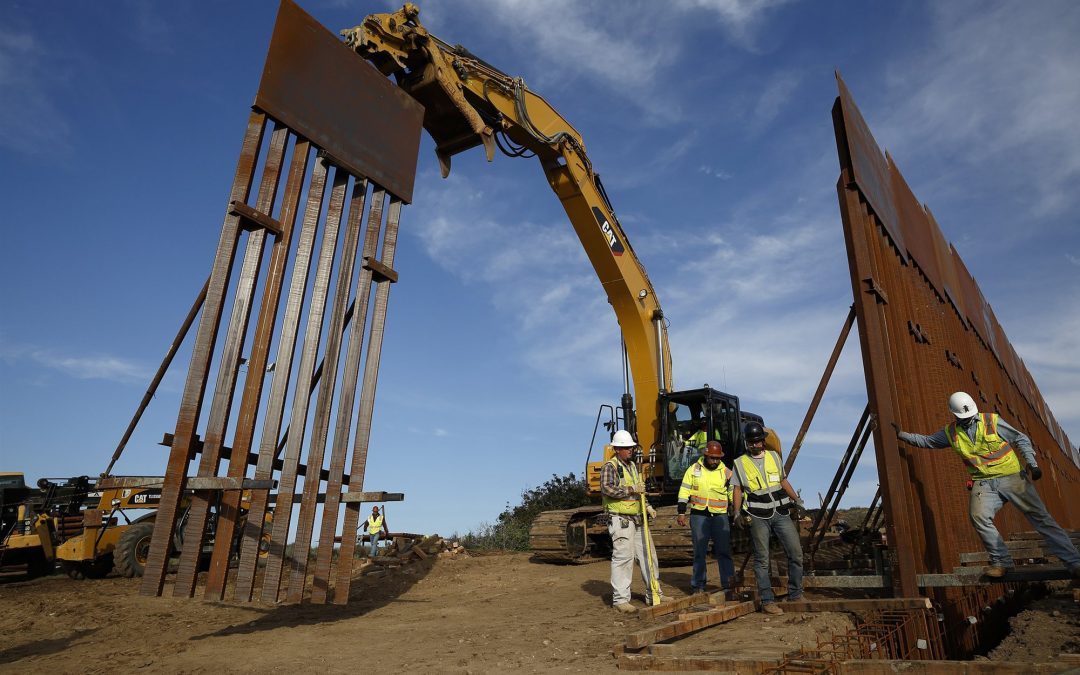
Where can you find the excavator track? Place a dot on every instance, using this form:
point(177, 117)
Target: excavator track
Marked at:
point(575, 536)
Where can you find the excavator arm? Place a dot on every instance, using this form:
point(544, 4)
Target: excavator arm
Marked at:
point(470, 103)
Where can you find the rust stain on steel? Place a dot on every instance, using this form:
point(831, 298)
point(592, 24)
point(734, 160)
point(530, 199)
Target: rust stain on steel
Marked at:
point(867, 165)
point(333, 97)
point(229, 513)
point(299, 411)
point(343, 573)
point(926, 330)
point(343, 423)
point(199, 371)
point(331, 355)
point(228, 373)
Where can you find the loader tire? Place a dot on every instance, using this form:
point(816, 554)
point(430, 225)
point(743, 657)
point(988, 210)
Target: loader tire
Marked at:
point(132, 549)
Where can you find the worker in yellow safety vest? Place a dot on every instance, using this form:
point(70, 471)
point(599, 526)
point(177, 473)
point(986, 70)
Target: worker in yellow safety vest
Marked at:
point(763, 500)
point(376, 527)
point(700, 438)
point(987, 445)
point(621, 487)
point(705, 490)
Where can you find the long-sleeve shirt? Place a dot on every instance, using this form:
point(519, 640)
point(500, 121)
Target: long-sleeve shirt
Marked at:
point(611, 484)
point(1005, 430)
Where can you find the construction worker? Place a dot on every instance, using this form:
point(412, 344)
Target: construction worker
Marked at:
point(706, 491)
point(988, 445)
point(375, 526)
point(699, 438)
point(621, 488)
point(759, 476)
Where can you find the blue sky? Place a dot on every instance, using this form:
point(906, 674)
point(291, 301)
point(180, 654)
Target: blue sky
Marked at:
point(709, 121)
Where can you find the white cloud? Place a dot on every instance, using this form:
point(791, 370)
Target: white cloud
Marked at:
point(741, 18)
point(996, 86)
point(778, 92)
point(30, 121)
point(101, 367)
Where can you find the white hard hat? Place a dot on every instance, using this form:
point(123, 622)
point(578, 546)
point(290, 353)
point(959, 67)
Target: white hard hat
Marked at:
point(962, 405)
point(623, 439)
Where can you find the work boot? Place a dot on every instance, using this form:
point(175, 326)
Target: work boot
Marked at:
point(625, 608)
point(995, 571)
point(771, 608)
point(694, 590)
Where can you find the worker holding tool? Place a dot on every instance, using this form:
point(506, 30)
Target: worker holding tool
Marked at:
point(706, 490)
point(759, 476)
point(375, 526)
point(988, 446)
point(623, 495)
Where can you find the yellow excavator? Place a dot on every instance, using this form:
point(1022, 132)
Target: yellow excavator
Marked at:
point(469, 103)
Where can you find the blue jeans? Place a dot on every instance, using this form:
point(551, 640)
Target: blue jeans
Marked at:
point(717, 529)
point(375, 542)
point(784, 529)
point(988, 496)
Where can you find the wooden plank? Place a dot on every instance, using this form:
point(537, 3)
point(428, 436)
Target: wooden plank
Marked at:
point(883, 667)
point(674, 606)
point(850, 605)
point(693, 663)
point(362, 497)
point(962, 577)
point(642, 638)
point(193, 483)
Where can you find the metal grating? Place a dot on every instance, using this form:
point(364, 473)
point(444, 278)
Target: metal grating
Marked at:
point(344, 140)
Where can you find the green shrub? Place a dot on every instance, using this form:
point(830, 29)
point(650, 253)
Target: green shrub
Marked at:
point(511, 531)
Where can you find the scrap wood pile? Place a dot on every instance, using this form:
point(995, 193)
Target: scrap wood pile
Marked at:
point(408, 549)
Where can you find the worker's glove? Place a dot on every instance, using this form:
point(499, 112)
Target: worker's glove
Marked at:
point(1036, 472)
point(637, 489)
point(650, 510)
point(742, 521)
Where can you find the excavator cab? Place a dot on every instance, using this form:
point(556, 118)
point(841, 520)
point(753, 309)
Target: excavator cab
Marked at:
point(687, 420)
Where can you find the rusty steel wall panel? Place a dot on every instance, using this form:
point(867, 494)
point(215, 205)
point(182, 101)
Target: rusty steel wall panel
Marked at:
point(926, 330)
point(294, 313)
point(316, 85)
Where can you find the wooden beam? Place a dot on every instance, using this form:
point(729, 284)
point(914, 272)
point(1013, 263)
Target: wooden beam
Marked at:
point(975, 577)
point(191, 483)
point(360, 497)
point(694, 663)
point(672, 607)
point(849, 605)
point(883, 667)
point(643, 638)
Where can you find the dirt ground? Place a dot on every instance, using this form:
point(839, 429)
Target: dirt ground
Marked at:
point(1045, 629)
point(466, 614)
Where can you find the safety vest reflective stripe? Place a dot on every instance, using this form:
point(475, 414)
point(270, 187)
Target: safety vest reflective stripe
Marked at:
point(706, 490)
point(770, 494)
point(976, 460)
point(988, 455)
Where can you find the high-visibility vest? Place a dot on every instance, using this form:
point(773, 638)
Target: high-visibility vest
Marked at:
point(374, 525)
point(706, 489)
point(631, 505)
point(763, 494)
point(989, 455)
point(700, 438)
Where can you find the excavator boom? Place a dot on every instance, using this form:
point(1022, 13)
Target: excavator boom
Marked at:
point(470, 103)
